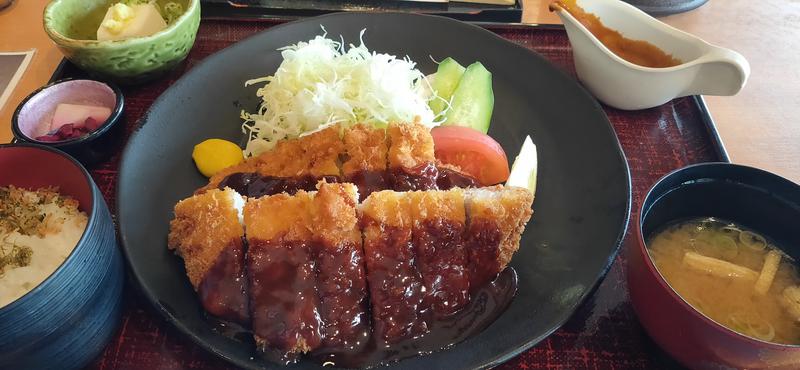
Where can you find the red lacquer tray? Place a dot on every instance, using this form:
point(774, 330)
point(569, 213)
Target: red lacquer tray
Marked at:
point(602, 334)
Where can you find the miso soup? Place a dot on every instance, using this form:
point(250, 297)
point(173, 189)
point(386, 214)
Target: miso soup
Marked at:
point(733, 275)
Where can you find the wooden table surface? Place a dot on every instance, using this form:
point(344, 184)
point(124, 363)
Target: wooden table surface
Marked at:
point(760, 126)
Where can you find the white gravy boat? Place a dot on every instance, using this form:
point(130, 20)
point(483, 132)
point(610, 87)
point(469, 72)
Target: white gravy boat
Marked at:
point(706, 69)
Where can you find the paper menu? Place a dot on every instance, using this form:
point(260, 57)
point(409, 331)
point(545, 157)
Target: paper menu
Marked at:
point(12, 67)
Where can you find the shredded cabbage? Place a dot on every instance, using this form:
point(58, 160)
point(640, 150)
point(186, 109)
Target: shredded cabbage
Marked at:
point(321, 83)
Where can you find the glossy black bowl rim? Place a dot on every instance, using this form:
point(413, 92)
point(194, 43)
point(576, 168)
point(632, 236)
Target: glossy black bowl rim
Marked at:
point(652, 199)
point(113, 119)
point(92, 219)
point(490, 363)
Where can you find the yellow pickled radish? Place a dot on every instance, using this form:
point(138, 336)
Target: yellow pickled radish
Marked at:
point(214, 155)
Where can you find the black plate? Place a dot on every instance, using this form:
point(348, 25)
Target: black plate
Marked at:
point(580, 212)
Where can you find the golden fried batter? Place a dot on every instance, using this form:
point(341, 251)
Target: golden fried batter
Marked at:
point(203, 227)
point(388, 207)
point(366, 149)
point(334, 214)
point(279, 217)
point(431, 205)
point(507, 207)
point(321, 152)
point(410, 145)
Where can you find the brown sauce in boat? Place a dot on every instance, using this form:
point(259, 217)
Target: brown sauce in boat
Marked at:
point(638, 52)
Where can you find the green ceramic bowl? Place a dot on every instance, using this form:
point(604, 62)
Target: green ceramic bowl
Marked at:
point(72, 25)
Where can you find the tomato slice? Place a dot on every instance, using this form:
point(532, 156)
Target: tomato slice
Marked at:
point(476, 153)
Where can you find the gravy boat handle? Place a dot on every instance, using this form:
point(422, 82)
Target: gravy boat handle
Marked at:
point(719, 71)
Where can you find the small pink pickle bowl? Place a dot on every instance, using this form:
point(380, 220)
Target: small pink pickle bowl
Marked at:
point(33, 115)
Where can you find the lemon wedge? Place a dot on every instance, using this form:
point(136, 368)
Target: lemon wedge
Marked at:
point(523, 171)
point(213, 155)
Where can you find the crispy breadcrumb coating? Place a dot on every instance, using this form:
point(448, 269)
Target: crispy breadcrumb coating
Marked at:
point(507, 207)
point(410, 145)
point(366, 148)
point(204, 225)
point(334, 214)
point(279, 217)
point(438, 204)
point(388, 207)
point(321, 152)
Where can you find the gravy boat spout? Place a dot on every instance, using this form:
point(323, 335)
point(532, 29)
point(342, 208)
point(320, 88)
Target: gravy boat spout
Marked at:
point(705, 69)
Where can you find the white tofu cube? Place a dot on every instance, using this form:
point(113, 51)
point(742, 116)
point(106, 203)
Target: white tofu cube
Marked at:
point(123, 22)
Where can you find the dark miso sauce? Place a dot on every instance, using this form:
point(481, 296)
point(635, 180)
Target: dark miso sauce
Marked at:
point(256, 185)
point(223, 290)
point(448, 179)
point(486, 305)
point(424, 177)
point(342, 291)
point(283, 290)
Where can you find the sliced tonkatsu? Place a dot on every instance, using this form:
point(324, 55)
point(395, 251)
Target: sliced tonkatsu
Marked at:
point(395, 284)
point(327, 274)
point(207, 232)
point(291, 166)
point(305, 265)
point(439, 221)
point(400, 157)
point(340, 273)
point(366, 159)
point(281, 273)
point(411, 161)
point(427, 250)
point(497, 217)
point(353, 237)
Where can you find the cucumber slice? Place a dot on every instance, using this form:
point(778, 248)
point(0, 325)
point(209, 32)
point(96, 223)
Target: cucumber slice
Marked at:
point(473, 100)
point(445, 82)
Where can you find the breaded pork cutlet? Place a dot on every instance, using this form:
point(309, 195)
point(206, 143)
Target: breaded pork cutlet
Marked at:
point(395, 285)
point(439, 223)
point(341, 279)
point(281, 274)
point(411, 158)
point(366, 149)
point(321, 152)
point(366, 158)
point(497, 216)
point(207, 232)
point(314, 155)
point(400, 158)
